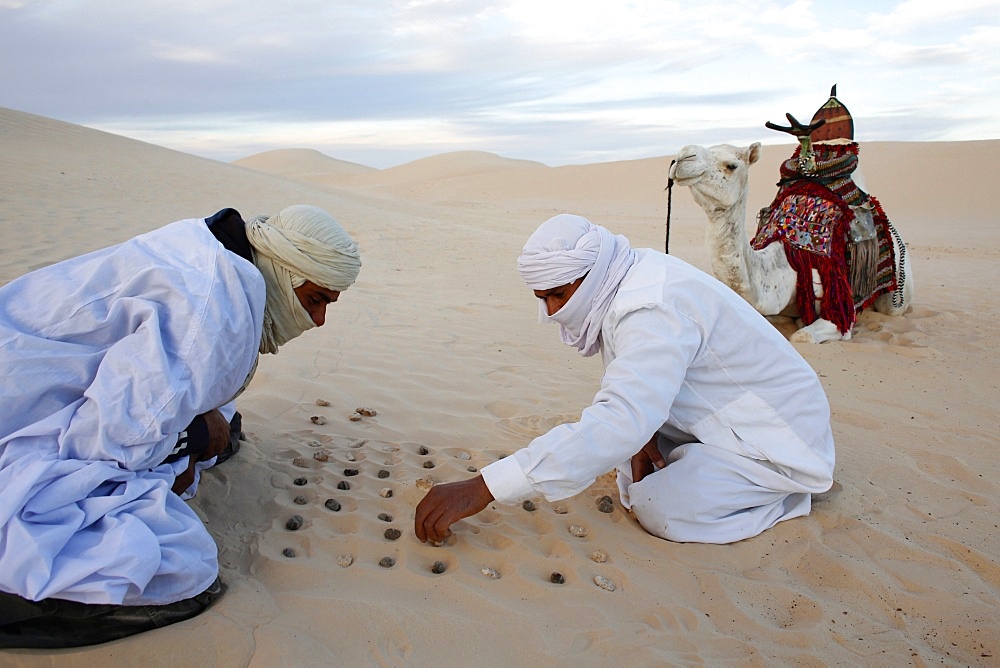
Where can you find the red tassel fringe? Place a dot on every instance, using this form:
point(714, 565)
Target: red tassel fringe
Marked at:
point(837, 302)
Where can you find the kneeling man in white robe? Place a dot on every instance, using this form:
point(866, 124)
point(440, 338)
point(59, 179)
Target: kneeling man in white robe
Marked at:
point(718, 428)
point(119, 369)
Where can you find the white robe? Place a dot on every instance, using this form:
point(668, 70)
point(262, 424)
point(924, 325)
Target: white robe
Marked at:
point(689, 359)
point(105, 358)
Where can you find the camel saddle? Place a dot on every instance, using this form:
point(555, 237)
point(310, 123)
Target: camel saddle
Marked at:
point(827, 224)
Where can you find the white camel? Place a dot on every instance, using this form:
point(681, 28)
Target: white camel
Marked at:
point(717, 177)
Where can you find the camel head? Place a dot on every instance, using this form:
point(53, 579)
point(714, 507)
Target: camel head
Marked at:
point(717, 176)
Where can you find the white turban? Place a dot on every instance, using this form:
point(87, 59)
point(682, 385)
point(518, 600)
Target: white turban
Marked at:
point(298, 244)
point(563, 249)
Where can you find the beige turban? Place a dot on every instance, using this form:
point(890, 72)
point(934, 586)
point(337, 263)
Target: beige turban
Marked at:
point(298, 244)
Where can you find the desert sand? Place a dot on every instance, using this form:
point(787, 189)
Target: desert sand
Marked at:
point(899, 564)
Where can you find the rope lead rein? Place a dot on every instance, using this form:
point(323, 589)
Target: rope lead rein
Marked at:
point(670, 193)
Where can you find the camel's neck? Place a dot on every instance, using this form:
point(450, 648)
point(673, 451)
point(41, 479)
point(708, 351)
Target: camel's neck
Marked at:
point(732, 256)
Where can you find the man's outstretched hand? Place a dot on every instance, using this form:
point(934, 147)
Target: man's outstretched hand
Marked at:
point(446, 504)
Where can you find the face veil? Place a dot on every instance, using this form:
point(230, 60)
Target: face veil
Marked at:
point(297, 244)
point(563, 249)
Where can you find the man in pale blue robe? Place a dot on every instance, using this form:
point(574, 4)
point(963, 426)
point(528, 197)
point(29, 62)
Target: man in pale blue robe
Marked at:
point(105, 360)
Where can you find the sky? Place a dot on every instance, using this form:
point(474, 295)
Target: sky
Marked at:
point(385, 82)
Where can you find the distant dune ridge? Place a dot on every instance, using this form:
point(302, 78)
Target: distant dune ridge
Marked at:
point(898, 564)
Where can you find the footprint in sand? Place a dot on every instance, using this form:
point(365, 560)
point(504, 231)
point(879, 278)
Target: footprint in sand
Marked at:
point(531, 426)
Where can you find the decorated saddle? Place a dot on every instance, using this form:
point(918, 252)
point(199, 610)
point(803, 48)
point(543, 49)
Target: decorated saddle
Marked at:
point(828, 224)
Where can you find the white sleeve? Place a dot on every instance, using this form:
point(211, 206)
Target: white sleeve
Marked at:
point(655, 346)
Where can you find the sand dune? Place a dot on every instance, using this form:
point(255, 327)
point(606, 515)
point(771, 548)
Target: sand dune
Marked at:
point(897, 565)
point(303, 164)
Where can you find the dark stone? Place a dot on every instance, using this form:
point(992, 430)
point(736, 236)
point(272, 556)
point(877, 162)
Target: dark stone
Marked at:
point(300, 481)
point(605, 504)
point(392, 534)
point(294, 523)
point(332, 504)
point(343, 484)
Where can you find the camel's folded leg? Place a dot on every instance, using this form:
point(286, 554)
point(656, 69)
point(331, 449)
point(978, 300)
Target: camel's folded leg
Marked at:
point(818, 332)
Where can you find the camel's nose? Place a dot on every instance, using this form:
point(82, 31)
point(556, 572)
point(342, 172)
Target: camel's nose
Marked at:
point(686, 165)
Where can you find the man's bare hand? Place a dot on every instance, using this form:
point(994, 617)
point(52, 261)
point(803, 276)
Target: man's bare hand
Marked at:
point(218, 434)
point(184, 479)
point(647, 460)
point(218, 439)
point(445, 504)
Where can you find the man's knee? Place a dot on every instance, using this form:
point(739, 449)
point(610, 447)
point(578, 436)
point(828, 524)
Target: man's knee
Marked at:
point(662, 511)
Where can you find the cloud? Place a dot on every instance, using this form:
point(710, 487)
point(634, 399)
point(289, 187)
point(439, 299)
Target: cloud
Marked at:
point(550, 80)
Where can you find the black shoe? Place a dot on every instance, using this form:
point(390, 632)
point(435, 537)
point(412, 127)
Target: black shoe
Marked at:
point(235, 436)
point(54, 623)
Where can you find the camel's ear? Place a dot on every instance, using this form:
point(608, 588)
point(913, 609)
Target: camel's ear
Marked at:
point(753, 153)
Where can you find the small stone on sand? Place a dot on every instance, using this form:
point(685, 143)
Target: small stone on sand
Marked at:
point(491, 573)
point(322, 402)
point(294, 523)
point(301, 462)
point(299, 500)
point(351, 457)
point(598, 557)
point(299, 481)
point(332, 504)
point(422, 450)
point(367, 412)
point(383, 473)
point(385, 492)
point(438, 567)
point(288, 552)
point(318, 419)
point(577, 530)
point(428, 464)
point(343, 484)
point(605, 504)
point(358, 444)
point(345, 560)
point(385, 517)
point(321, 455)
point(425, 483)
point(560, 510)
point(386, 562)
point(528, 505)
point(392, 534)
point(557, 578)
point(472, 469)
point(354, 417)
point(350, 472)
point(464, 455)
point(604, 583)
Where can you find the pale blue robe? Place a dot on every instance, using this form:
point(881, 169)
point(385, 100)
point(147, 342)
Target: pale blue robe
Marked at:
point(104, 359)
